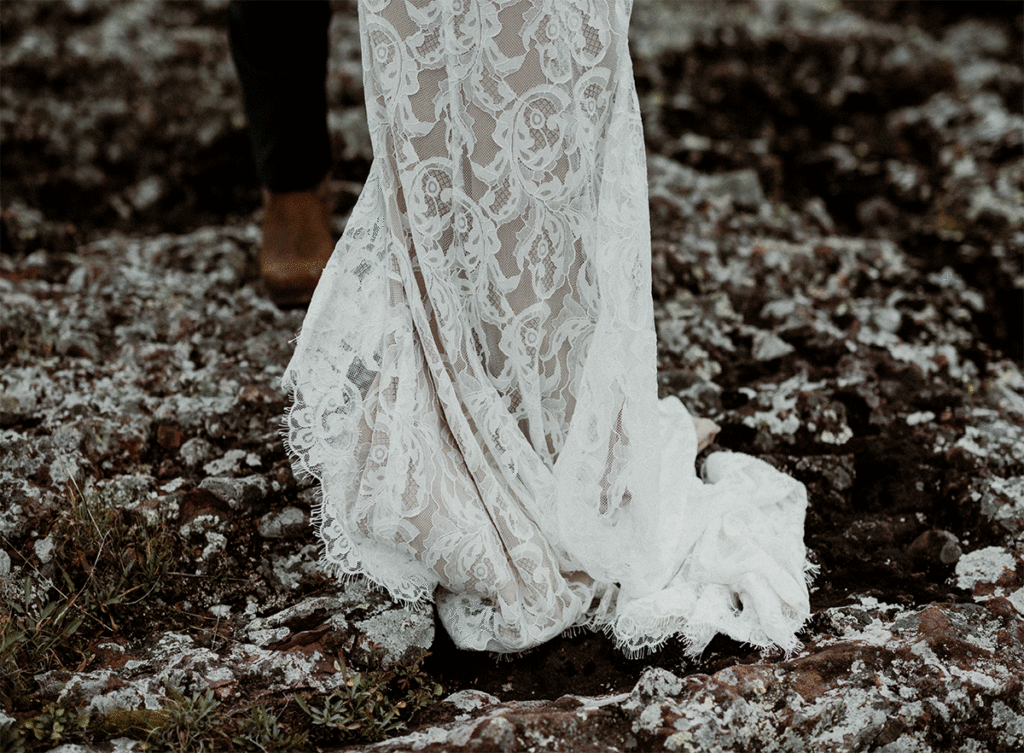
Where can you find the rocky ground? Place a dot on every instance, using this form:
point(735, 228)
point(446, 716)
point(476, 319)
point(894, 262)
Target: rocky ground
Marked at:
point(836, 195)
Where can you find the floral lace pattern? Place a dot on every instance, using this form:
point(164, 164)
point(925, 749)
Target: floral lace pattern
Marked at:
point(474, 385)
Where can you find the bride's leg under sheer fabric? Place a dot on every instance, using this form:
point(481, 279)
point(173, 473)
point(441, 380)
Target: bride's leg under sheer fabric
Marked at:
point(474, 385)
point(497, 186)
point(706, 430)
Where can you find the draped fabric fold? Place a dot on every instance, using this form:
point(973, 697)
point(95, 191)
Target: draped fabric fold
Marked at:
point(474, 384)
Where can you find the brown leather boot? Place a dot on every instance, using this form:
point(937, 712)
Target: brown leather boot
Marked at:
point(297, 242)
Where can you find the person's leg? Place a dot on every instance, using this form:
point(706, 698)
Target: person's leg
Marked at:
point(280, 51)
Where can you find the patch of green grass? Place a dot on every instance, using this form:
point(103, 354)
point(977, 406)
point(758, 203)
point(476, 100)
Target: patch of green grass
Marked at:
point(107, 577)
point(133, 723)
point(261, 732)
point(114, 558)
point(36, 635)
point(112, 576)
point(372, 705)
point(198, 723)
point(189, 724)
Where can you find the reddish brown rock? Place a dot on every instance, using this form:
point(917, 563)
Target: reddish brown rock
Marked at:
point(873, 675)
point(169, 437)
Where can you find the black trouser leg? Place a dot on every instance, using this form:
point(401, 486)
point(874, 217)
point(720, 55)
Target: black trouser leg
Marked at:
point(280, 51)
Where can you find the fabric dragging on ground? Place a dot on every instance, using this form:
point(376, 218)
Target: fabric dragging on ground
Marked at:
point(475, 382)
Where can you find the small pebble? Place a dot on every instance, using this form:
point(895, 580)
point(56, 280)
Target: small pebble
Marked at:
point(289, 523)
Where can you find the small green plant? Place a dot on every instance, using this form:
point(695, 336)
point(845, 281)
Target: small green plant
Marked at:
point(189, 724)
point(12, 737)
point(260, 732)
point(57, 724)
point(358, 707)
point(374, 705)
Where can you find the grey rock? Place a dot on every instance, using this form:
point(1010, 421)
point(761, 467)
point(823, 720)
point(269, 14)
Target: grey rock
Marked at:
point(264, 636)
point(974, 38)
point(239, 493)
point(936, 547)
point(329, 609)
point(288, 571)
point(124, 745)
point(887, 319)
point(10, 410)
point(742, 187)
point(951, 551)
point(1005, 387)
point(471, 700)
point(839, 471)
point(5, 564)
point(104, 437)
point(289, 523)
point(126, 491)
point(177, 660)
point(987, 204)
point(815, 209)
point(768, 346)
point(350, 124)
point(195, 451)
point(998, 441)
point(231, 462)
point(402, 633)
point(992, 572)
point(654, 684)
point(310, 496)
point(877, 211)
point(72, 342)
point(44, 549)
point(496, 733)
point(147, 192)
point(21, 500)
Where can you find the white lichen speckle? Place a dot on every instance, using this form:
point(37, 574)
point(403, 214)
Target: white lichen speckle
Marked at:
point(983, 566)
point(920, 417)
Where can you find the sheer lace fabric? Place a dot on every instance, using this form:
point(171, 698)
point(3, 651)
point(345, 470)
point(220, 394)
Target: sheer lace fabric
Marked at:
point(474, 384)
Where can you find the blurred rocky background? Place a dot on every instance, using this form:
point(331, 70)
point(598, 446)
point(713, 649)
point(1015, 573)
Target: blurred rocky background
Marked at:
point(837, 197)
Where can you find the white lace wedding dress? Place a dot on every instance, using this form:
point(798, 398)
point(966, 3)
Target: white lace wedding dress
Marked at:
point(474, 385)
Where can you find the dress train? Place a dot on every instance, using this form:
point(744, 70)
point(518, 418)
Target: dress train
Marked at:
point(474, 385)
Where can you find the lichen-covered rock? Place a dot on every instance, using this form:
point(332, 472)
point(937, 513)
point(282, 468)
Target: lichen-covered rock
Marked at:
point(289, 523)
point(292, 650)
point(993, 572)
point(244, 492)
point(875, 677)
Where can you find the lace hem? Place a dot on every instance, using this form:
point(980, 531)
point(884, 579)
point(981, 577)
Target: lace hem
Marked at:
point(474, 386)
